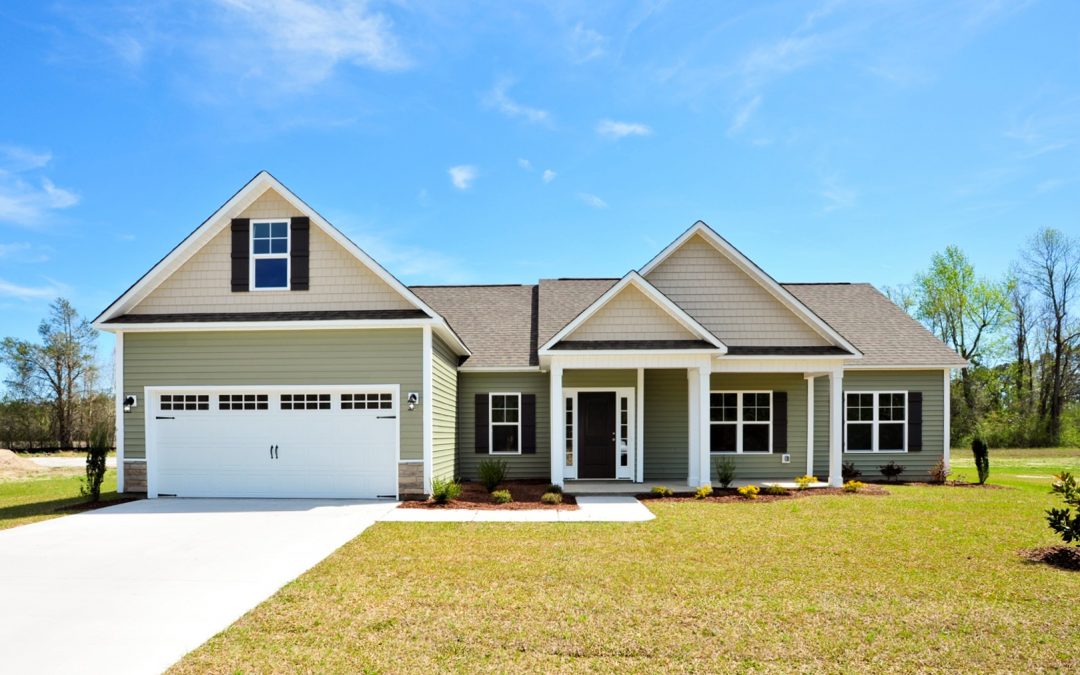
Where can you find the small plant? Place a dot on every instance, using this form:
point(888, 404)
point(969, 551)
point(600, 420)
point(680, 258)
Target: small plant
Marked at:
point(551, 498)
point(703, 492)
point(502, 497)
point(891, 470)
point(982, 459)
point(849, 472)
point(661, 491)
point(749, 491)
point(939, 474)
point(725, 472)
point(1064, 521)
point(805, 481)
point(556, 489)
point(777, 490)
point(96, 451)
point(444, 490)
point(492, 472)
point(853, 486)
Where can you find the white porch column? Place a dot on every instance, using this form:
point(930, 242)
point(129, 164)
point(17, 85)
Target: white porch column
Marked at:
point(558, 427)
point(693, 399)
point(836, 427)
point(809, 424)
point(639, 427)
point(704, 427)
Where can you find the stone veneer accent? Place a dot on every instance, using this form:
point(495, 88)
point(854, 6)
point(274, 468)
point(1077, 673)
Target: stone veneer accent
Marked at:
point(134, 476)
point(411, 481)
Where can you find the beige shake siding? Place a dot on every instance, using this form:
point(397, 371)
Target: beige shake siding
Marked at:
point(727, 301)
point(631, 313)
point(444, 381)
point(374, 356)
point(521, 466)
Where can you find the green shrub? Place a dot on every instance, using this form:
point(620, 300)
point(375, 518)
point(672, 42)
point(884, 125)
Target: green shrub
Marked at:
point(502, 497)
point(891, 470)
point(444, 490)
point(849, 472)
point(661, 491)
point(853, 486)
point(555, 489)
point(805, 481)
point(492, 472)
point(1064, 521)
point(551, 498)
point(749, 491)
point(982, 459)
point(939, 474)
point(96, 452)
point(777, 490)
point(725, 472)
point(703, 492)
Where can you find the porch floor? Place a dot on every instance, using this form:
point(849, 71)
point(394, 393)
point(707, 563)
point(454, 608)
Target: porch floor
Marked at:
point(625, 487)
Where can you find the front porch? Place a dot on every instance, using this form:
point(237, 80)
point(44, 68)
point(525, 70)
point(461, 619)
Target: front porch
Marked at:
point(580, 488)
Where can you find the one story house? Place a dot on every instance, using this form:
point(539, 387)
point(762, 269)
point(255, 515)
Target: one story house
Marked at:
point(268, 356)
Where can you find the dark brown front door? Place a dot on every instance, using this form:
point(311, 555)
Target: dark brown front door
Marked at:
point(596, 449)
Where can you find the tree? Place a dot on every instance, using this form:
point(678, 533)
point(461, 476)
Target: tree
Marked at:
point(56, 370)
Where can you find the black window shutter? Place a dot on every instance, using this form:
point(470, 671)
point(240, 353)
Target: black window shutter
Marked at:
point(779, 412)
point(241, 254)
point(528, 424)
point(482, 423)
point(299, 251)
point(914, 427)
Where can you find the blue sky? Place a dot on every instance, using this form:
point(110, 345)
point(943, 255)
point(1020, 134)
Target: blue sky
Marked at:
point(507, 141)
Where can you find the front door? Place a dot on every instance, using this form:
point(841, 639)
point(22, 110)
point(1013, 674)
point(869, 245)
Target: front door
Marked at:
point(596, 445)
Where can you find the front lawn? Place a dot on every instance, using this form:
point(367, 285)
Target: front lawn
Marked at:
point(28, 500)
point(926, 578)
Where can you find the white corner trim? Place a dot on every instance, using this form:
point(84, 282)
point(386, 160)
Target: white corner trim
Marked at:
point(118, 392)
point(810, 423)
point(633, 278)
point(427, 409)
point(947, 420)
point(639, 422)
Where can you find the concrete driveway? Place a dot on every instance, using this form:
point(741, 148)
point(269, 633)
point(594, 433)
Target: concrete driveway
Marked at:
point(68, 462)
point(132, 588)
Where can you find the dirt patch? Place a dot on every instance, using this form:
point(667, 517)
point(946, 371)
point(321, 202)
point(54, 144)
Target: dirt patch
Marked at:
point(13, 466)
point(526, 495)
point(721, 495)
point(1063, 557)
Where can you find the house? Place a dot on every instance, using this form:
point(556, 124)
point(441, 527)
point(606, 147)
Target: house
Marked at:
point(268, 356)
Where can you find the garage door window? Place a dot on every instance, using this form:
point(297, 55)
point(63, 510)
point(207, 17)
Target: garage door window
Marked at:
point(366, 401)
point(243, 402)
point(305, 401)
point(184, 402)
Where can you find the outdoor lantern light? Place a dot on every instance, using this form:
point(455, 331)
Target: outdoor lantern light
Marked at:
point(414, 398)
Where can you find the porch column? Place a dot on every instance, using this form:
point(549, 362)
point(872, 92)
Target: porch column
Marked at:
point(639, 427)
point(704, 427)
point(836, 427)
point(558, 427)
point(809, 423)
point(693, 396)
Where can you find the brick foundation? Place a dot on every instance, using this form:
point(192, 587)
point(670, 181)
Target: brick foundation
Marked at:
point(134, 476)
point(411, 481)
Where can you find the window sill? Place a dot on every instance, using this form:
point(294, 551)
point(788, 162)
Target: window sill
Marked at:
point(503, 452)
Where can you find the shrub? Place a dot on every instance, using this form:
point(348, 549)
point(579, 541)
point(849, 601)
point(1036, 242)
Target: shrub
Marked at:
point(492, 472)
point(96, 451)
point(749, 491)
point(982, 459)
point(502, 497)
point(444, 490)
point(939, 474)
point(805, 481)
point(555, 489)
point(777, 490)
point(1064, 521)
point(725, 472)
point(853, 486)
point(703, 492)
point(661, 491)
point(891, 470)
point(551, 498)
point(849, 472)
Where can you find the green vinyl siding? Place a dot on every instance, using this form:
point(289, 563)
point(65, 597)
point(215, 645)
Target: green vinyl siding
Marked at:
point(444, 408)
point(754, 466)
point(667, 424)
point(821, 427)
point(520, 466)
point(375, 356)
point(599, 378)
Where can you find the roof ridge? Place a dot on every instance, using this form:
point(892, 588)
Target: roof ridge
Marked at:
point(472, 285)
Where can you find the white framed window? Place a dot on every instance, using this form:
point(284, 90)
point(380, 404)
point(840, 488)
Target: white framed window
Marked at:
point(740, 422)
point(270, 266)
point(504, 424)
point(875, 421)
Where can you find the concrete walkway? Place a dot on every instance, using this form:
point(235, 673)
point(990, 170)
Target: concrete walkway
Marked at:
point(132, 588)
point(595, 509)
point(67, 462)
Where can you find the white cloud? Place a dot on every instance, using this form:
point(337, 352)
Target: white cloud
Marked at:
point(410, 263)
point(18, 159)
point(837, 196)
point(585, 44)
point(10, 249)
point(48, 292)
point(743, 115)
point(25, 199)
point(498, 99)
point(462, 176)
point(548, 175)
point(615, 129)
point(525, 164)
point(592, 200)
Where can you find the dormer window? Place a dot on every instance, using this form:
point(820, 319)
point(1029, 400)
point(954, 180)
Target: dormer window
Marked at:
point(269, 255)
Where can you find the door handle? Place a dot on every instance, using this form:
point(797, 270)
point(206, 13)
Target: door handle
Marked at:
point(276, 454)
point(271, 452)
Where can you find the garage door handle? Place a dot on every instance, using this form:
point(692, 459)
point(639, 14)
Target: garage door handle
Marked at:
point(386, 417)
point(273, 452)
point(160, 417)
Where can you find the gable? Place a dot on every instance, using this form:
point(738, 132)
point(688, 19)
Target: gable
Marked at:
point(725, 299)
point(631, 315)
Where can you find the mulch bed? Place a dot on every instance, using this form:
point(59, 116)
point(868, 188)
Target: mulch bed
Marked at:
point(90, 506)
point(1063, 557)
point(526, 495)
point(721, 495)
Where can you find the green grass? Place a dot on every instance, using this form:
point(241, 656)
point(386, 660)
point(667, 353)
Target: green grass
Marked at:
point(29, 500)
point(927, 578)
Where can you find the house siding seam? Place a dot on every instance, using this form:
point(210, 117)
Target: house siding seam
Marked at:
point(727, 301)
point(337, 280)
point(315, 357)
point(522, 466)
point(631, 313)
point(444, 382)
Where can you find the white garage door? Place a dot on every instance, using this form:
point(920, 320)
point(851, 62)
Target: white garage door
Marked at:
point(329, 442)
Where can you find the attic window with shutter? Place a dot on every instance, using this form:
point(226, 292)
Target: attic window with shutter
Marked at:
point(269, 255)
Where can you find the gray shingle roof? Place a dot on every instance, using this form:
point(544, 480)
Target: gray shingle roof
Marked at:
point(561, 300)
point(497, 323)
